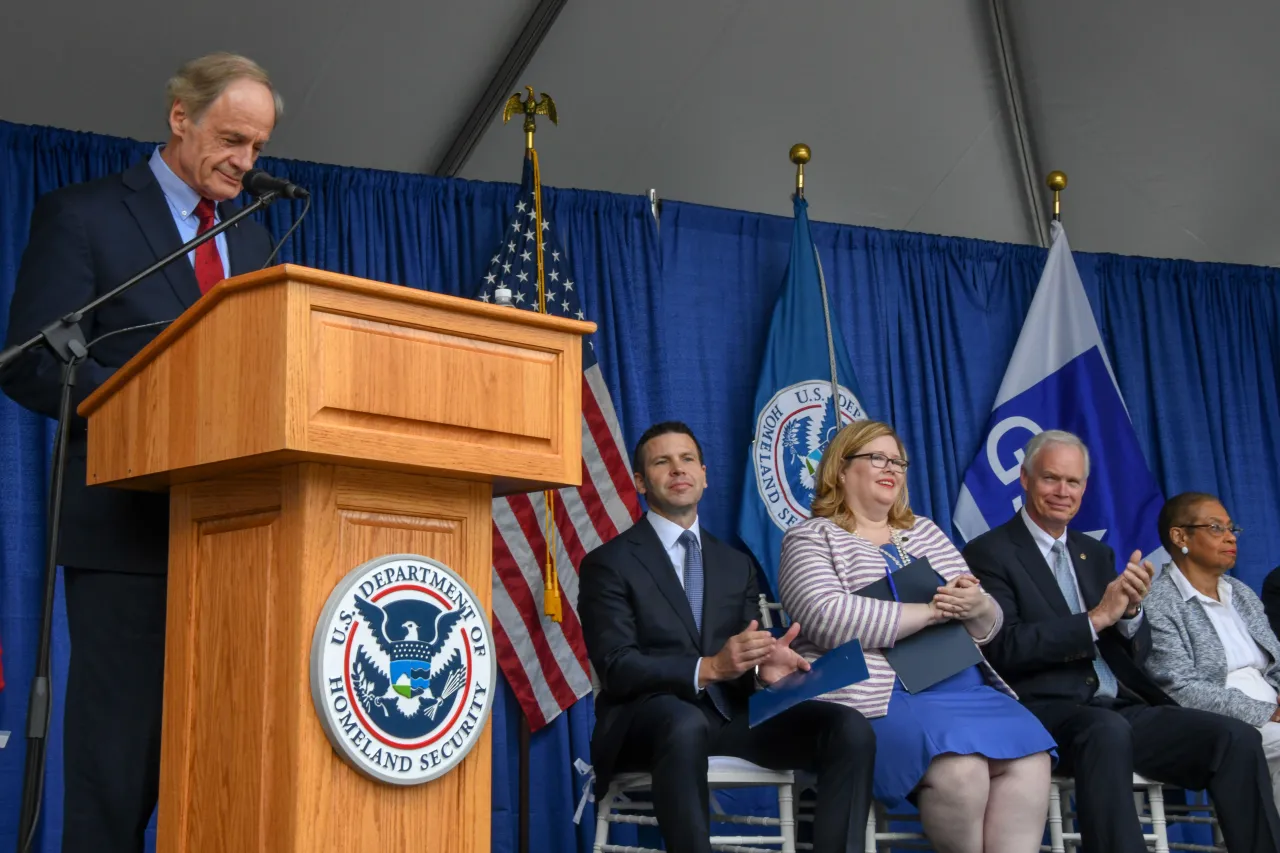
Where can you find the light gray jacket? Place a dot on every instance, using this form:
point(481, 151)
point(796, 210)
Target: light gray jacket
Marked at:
point(1187, 659)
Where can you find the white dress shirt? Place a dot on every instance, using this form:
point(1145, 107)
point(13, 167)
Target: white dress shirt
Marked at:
point(669, 534)
point(1045, 542)
point(182, 201)
point(1246, 661)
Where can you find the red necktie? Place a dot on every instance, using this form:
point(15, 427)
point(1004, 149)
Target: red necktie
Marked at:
point(208, 261)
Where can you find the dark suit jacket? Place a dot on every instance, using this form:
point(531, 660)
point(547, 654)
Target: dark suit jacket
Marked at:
point(1271, 599)
point(1044, 651)
point(640, 633)
point(85, 240)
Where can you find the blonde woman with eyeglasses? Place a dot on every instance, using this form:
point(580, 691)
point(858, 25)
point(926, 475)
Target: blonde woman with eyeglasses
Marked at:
point(974, 760)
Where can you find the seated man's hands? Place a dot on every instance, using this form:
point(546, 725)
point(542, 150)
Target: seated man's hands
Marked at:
point(1137, 577)
point(1123, 596)
point(749, 649)
point(783, 660)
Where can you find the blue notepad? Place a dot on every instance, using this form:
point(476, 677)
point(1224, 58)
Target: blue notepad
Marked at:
point(840, 667)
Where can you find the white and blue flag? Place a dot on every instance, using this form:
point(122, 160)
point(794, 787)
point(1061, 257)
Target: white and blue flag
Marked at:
point(1060, 378)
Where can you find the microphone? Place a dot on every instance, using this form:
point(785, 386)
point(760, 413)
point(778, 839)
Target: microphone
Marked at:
point(257, 182)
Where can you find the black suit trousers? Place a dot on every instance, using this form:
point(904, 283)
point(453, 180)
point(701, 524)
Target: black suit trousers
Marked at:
point(672, 739)
point(1103, 743)
point(115, 686)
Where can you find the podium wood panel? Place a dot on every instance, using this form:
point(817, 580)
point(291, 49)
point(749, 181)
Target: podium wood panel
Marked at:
point(292, 364)
point(246, 765)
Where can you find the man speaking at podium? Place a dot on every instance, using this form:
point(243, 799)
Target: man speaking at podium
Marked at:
point(85, 240)
point(668, 615)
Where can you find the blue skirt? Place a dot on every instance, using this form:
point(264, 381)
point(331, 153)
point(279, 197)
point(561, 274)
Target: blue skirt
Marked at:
point(961, 715)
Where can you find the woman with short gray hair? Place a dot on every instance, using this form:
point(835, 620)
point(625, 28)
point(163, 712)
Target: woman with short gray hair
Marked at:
point(1212, 646)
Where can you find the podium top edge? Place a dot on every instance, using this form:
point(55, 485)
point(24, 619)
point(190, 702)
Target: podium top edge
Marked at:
point(295, 274)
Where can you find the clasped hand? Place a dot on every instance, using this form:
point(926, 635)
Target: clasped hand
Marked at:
point(1124, 595)
point(961, 599)
point(750, 649)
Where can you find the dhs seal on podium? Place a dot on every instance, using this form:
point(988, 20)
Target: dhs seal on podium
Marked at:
point(403, 669)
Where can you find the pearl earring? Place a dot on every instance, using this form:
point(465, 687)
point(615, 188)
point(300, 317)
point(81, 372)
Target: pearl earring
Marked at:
point(1186, 550)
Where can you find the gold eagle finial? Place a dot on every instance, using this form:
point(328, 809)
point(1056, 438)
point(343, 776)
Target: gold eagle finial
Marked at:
point(531, 107)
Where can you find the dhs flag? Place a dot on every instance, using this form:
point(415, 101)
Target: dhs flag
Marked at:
point(1060, 378)
point(795, 416)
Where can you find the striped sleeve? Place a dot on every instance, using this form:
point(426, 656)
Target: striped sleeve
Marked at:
point(811, 591)
point(928, 540)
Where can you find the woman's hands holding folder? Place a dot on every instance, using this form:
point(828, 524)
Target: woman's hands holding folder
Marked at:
point(962, 599)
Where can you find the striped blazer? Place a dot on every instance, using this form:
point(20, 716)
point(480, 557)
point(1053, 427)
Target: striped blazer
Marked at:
point(823, 566)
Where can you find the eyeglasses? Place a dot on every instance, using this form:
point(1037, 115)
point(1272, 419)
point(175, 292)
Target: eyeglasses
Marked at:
point(1215, 528)
point(879, 461)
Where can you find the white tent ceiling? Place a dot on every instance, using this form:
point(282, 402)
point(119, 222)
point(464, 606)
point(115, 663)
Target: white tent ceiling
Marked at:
point(1162, 112)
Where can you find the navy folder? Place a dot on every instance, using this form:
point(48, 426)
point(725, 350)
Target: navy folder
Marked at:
point(840, 667)
point(935, 653)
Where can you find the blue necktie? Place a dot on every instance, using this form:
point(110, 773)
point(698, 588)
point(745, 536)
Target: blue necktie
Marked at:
point(693, 582)
point(693, 575)
point(1062, 572)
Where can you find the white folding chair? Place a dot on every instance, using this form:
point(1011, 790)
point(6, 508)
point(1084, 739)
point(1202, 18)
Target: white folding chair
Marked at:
point(880, 832)
point(1148, 796)
point(1199, 812)
point(723, 772)
point(767, 609)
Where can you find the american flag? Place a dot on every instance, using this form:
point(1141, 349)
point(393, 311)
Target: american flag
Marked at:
point(545, 662)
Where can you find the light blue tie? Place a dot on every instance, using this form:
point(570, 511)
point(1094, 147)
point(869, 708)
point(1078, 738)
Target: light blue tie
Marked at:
point(693, 575)
point(1063, 573)
point(693, 591)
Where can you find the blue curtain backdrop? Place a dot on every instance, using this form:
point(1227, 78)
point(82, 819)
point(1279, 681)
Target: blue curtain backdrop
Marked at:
point(930, 323)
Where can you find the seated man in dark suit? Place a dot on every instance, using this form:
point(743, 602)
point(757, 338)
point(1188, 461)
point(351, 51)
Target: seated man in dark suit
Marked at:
point(1072, 647)
point(1271, 599)
point(85, 240)
point(668, 614)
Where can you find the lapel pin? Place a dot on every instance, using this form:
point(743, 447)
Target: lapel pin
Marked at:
point(1082, 556)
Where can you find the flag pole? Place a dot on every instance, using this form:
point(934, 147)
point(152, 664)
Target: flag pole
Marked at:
point(551, 604)
point(1057, 181)
point(800, 154)
point(524, 783)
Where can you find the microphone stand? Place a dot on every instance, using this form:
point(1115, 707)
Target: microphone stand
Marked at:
point(64, 338)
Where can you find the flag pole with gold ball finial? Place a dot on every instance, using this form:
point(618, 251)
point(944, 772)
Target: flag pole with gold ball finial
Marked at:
point(800, 155)
point(1057, 181)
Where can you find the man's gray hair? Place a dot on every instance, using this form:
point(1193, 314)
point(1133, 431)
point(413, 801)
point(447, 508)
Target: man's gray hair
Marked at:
point(198, 83)
point(1049, 437)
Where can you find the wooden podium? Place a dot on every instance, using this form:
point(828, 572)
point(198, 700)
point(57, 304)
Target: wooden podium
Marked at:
point(305, 423)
